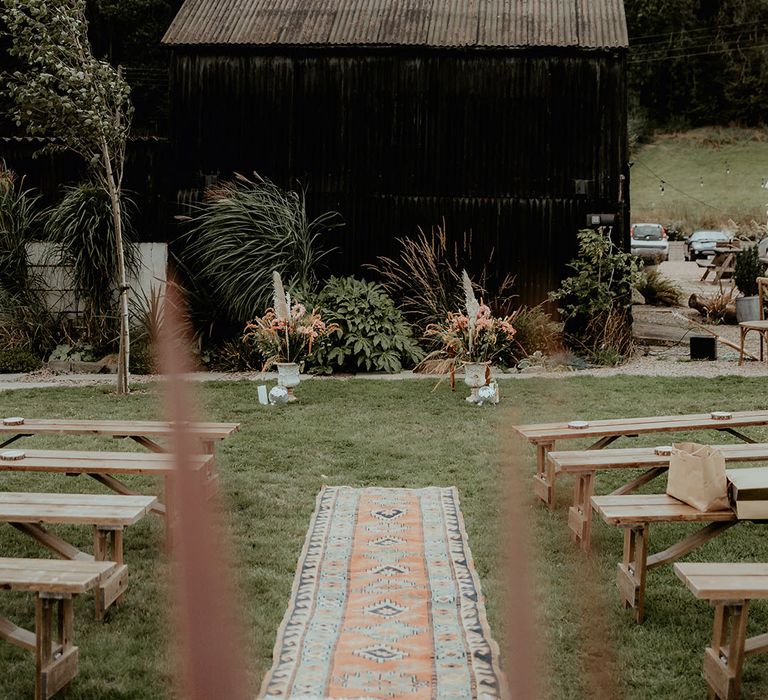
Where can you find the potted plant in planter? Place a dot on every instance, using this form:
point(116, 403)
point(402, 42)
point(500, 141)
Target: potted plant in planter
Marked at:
point(285, 335)
point(745, 273)
point(473, 338)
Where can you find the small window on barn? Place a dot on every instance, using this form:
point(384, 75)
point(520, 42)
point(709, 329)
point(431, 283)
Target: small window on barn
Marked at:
point(582, 187)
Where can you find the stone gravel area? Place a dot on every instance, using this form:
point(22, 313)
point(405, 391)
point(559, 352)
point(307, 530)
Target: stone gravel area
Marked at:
point(666, 354)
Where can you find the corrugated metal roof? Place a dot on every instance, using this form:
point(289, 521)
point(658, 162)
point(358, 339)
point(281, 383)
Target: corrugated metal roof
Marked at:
point(592, 24)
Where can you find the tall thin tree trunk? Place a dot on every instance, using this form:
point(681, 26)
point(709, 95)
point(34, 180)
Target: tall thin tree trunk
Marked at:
point(125, 340)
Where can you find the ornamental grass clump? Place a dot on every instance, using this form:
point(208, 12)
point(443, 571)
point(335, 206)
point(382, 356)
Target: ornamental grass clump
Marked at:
point(286, 332)
point(244, 229)
point(473, 335)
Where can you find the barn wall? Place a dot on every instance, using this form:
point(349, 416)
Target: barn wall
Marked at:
point(489, 141)
point(146, 179)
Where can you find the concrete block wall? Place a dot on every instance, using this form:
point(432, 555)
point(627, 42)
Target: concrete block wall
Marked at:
point(56, 280)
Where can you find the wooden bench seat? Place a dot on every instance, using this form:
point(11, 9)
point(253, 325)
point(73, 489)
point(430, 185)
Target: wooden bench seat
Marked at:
point(635, 513)
point(545, 435)
point(108, 515)
point(145, 432)
point(584, 465)
point(102, 466)
point(55, 583)
point(730, 588)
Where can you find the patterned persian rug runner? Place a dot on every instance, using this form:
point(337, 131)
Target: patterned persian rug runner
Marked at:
point(386, 603)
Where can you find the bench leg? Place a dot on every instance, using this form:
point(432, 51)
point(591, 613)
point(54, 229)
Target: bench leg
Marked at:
point(544, 481)
point(108, 546)
point(723, 660)
point(742, 334)
point(580, 513)
point(632, 570)
point(55, 660)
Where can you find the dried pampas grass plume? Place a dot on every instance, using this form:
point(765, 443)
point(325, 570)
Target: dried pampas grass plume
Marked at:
point(470, 300)
point(281, 304)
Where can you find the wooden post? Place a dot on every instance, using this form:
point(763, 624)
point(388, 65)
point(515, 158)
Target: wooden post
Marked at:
point(108, 546)
point(580, 513)
point(724, 659)
point(543, 483)
point(55, 663)
point(632, 570)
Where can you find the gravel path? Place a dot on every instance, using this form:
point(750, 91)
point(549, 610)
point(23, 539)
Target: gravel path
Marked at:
point(669, 360)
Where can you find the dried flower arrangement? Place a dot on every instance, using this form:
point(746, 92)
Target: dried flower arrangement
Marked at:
point(476, 335)
point(286, 333)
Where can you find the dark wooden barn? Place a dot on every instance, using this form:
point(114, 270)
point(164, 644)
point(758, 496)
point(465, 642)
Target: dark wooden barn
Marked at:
point(506, 118)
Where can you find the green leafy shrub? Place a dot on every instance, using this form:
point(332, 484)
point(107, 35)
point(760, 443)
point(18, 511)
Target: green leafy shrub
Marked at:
point(657, 290)
point(372, 333)
point(15, 360)
point(142, 358)
point(746, 271)
point(231, 356)
point(595, 302)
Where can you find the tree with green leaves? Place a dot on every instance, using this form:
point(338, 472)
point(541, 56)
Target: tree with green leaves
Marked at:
point(61, 91)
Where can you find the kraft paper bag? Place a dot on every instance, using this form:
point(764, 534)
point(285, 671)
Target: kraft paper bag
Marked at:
point(697, 476)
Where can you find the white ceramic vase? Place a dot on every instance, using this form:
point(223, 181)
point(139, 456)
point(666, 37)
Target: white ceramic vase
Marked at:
point(288, 376)
point(474, 376)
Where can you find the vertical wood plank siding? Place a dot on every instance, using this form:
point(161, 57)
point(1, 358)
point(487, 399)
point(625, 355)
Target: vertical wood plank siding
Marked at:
point(490, 141)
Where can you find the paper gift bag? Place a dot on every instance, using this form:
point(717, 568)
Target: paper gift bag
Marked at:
point(697, 476)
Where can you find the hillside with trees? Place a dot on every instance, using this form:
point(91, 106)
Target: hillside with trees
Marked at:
point(698, 62)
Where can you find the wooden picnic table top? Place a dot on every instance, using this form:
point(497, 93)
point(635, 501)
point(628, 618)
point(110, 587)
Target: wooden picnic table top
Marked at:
point(549, 432)
point(73, 508)
point(576, 461)
point(52, 575)
point(116, 428)
point(725, 581)
point(634, 509)
point(82, 462)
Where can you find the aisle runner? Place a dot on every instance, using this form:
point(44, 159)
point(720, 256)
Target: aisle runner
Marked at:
point(386, 603)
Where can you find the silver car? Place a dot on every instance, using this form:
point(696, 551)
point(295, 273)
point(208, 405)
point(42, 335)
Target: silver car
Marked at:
point(649, 241)
point(702, 244)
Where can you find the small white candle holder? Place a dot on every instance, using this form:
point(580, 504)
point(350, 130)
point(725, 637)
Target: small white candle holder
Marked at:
point(578, 424)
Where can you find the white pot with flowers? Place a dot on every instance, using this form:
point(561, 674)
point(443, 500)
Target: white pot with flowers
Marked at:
point(285, 336)
point(472, 339)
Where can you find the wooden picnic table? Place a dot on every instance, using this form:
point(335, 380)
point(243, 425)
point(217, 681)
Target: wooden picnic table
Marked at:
point(730, 588)
point(635, 513)
point(144, 432)
point(584, 464)
point(55, 583)
point(108, 515)
point(723, 263)
point(545, 435)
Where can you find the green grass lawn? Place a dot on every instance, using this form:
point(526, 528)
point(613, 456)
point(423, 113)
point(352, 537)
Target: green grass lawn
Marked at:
point(688, 159)
point(361, 433)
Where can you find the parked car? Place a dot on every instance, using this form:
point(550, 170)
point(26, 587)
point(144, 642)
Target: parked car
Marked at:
point(702, 244)
point(649, 241)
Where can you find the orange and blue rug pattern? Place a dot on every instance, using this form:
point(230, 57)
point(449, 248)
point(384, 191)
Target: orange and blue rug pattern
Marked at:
point(386, 603)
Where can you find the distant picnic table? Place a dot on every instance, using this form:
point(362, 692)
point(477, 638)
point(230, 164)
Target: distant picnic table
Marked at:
point(722, 264)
